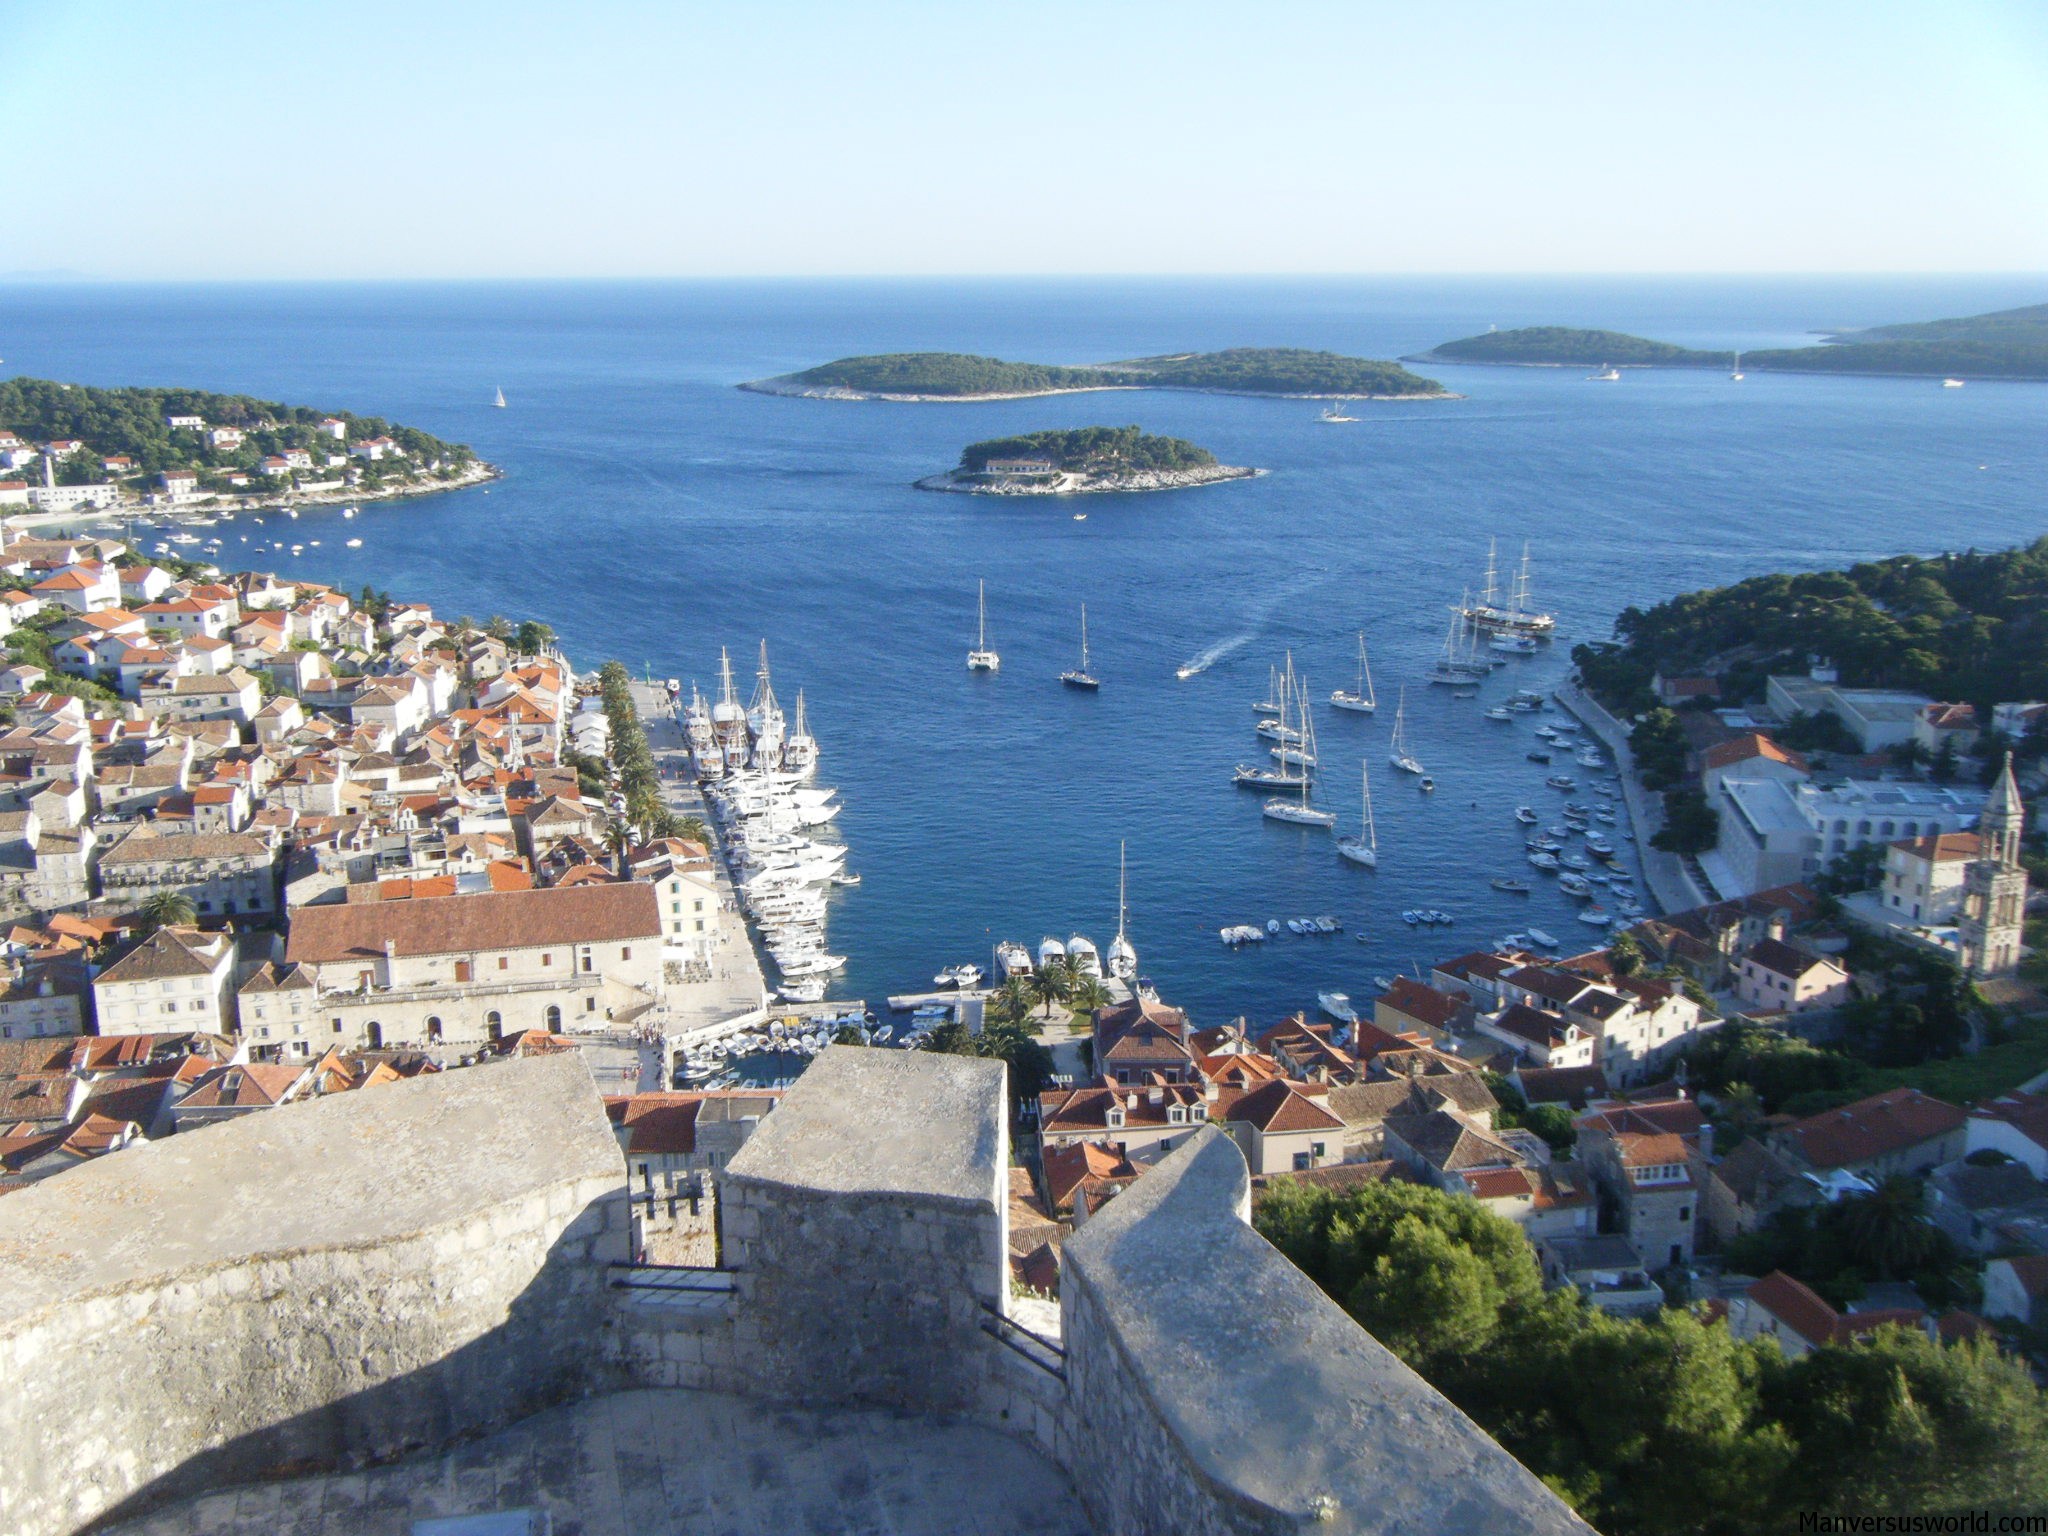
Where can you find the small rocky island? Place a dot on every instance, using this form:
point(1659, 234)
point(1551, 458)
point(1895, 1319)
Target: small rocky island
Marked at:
point(1080, 461)
point(1290, 372)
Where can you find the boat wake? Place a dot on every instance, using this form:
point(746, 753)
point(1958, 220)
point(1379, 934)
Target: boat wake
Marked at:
point(1207, 659)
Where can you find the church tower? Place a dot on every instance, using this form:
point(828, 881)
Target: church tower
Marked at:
point(1994, 885)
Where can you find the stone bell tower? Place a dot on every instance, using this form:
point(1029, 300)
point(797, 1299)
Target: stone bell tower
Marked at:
point(1995, 885)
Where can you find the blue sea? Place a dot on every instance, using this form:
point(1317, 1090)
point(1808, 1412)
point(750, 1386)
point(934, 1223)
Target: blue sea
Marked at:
point(652, 512)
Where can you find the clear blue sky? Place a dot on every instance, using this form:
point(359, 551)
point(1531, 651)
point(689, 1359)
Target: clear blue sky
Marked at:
point(448, 138)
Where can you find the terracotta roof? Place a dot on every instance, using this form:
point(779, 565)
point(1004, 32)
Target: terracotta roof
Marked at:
point(1559, 987)
point(1869, 1128)
point(1278, 1107)
point(1084, 1164)
point(1533, 1025)
point(250, 1085)
point(1781, 959)
point(1946, 848)
point(1422, 1003)
point(1647, 1117)
point(1446, 1141)
point(166, 953)
point(1745, 749)
point(145, 848)
point(2031, 1271)
point(1796, 1307)
point(578, 914)
point(2026, 1113)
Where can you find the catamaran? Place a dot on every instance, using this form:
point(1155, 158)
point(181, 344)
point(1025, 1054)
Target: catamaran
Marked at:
point(1301, 812)
point(1398, 753)
point(1081, 677)
point(1361, 700)
point(981, 658)
point(1363, 849)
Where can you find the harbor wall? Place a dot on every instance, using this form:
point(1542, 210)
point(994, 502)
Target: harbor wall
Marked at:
point(305, 1289)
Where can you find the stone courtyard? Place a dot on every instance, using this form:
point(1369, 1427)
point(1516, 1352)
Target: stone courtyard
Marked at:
point(673, 1463)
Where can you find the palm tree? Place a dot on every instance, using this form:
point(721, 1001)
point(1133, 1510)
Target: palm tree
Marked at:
point(168, 909)
point(693, 828)
point(1886, 1230)
point(1052, 982)
point(1088, 994)
point(1012, 1000)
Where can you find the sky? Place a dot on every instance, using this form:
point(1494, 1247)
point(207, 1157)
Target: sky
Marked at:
point(500, 139)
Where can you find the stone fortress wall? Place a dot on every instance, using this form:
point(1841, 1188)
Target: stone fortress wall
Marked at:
point(313, 1287)
point(398, 1269)
point(1209, 1388)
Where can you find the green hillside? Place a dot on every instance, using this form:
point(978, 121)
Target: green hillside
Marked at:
point(1241, 370)
point(1090, 450)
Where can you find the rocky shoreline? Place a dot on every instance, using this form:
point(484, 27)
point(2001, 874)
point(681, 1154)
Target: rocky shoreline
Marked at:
point(1068, 483)
point(794, 391)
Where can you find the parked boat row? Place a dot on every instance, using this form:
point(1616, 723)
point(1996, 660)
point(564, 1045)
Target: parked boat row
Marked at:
point(756, 773)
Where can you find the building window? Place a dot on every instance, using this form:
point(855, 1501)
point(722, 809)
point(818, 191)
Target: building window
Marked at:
point(590, 1005)
point(494, 1025)
point(547, 959)
point(433, 1027)
point(553, 1018)
point(503, 962)
point(625, 951)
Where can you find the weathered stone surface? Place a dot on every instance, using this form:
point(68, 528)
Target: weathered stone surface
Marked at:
point(325, 1284)
point(884, 1122)
point(1240, 1399)
point(681, 1464)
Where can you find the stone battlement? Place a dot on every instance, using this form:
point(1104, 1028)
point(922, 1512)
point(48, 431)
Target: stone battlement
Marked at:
point(350, 1281)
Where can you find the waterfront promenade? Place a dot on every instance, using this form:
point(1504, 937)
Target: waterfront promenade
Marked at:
point(1665, 876)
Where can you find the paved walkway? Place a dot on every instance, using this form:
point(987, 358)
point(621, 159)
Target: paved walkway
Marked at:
point(678, 1464)
point(1665, 876)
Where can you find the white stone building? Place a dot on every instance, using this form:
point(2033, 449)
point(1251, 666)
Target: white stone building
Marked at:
point(176, 979)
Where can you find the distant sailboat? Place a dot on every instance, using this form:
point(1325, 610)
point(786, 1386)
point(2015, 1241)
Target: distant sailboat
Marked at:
point(1122, 958)
point(1301, 812)
point(1365, 848)
point(1360, 702)
point(1398, 753)
point(1737, 373)
point(981, 658)
point(499, 402)
point(1081, 677)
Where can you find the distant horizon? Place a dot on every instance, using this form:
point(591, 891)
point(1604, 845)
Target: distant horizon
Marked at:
point(1529, 275)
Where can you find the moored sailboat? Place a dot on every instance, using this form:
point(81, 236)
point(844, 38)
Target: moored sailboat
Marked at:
point(1359, 701)
point(981, 658)
point(1363, 848)
point(1081, 677)
point(1397, 752)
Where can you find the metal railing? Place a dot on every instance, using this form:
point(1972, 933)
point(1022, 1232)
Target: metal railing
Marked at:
point(1042, 1352)
point(674, 1284)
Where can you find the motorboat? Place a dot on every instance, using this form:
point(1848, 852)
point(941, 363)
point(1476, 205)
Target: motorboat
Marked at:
point(1526, 815)
point(1426, 784)
point(1512, 887)
point(1252, 776)
point(1574, 884)
point(1051, 949)
point(1538, 936)
point(1083, 956)
point(1539, 757)
point(1500, 713)
point(1596, 915)
point(1605, 376)
point(1547, 862)
point(1562, 781)
point(1338, 1006)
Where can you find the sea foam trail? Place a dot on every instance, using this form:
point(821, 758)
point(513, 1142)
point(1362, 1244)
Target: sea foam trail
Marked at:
point(1207, 659)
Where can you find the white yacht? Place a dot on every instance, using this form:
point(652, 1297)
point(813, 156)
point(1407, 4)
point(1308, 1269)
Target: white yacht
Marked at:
point(1398, 753)
point(981, 658)
point(1083, 956)
point(1606, 375)
point(1363, 848)
point(1360, 700)
point(1334, 411)
point(1123, 959)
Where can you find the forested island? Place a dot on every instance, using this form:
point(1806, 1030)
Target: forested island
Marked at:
point(1972, 628)
point(1080, 460)
point(110, 445)
point(1286, 371)
point(2006, 344)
